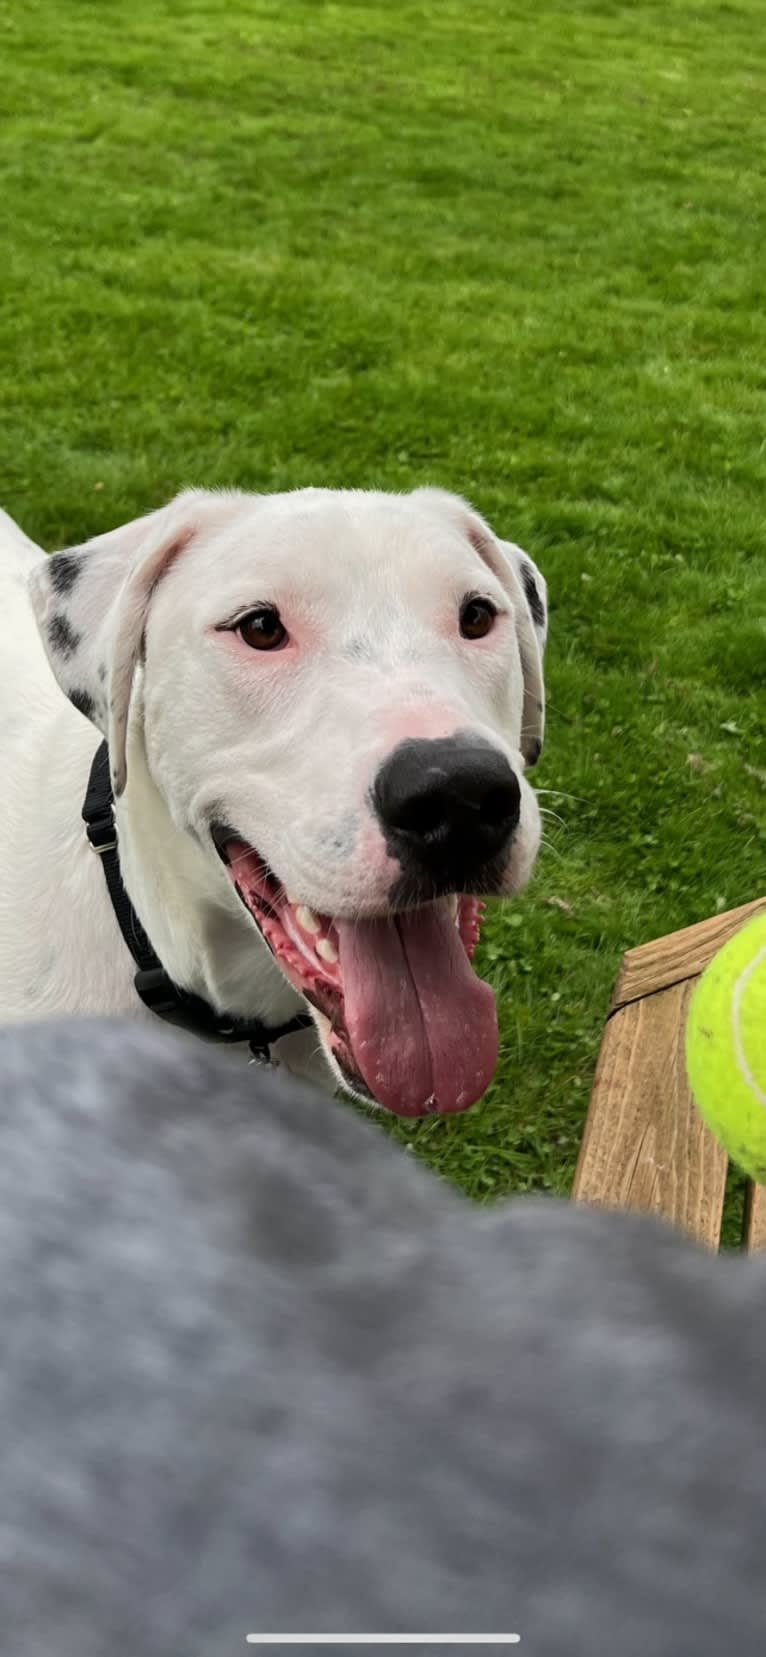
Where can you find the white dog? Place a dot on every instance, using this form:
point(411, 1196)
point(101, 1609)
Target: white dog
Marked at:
point(319, 707)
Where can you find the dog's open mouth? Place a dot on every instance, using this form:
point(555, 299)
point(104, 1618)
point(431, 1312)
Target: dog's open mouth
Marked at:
point(410, 1022)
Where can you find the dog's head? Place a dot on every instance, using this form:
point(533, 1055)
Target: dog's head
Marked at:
point(338, 693)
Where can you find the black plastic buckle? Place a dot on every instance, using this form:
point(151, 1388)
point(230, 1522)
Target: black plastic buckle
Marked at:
point(159, 993)
point(102, 834)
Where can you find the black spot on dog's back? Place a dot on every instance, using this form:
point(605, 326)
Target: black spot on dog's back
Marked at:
point(62, 636)
point(63, 570)
point(101, 672)
point(83, 702)
point(533, 597)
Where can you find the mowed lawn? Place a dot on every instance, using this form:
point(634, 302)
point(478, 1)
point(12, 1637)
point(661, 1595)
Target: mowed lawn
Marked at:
point(515, 249)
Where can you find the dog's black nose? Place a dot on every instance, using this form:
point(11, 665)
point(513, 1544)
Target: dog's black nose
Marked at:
point(448, 807)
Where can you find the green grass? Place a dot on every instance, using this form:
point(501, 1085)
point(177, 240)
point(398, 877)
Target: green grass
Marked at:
point(513, 248)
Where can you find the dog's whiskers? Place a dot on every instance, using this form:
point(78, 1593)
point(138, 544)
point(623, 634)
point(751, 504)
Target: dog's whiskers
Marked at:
point(240, 858)
point(550, 847)
point(553, 707)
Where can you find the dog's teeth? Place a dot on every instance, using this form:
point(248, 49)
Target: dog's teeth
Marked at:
point(327, 950)
point(307, 919)
point(452, 906)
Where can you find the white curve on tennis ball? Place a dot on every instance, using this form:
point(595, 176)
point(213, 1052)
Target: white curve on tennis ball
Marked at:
point(739, 990)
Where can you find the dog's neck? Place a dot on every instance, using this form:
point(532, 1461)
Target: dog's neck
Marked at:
point(191, 915)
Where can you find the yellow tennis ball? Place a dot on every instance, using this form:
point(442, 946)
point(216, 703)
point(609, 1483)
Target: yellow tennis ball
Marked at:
point(726, 1047)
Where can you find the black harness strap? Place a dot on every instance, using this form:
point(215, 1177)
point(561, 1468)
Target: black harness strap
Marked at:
point(153, 984)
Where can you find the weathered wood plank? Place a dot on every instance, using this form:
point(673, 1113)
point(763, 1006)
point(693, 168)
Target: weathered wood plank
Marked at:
point(665, 961)
point(645, 1145)
point(754, 1233)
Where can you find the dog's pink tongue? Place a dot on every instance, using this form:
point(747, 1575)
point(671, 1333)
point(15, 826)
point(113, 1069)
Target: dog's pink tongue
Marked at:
point(422, 1026)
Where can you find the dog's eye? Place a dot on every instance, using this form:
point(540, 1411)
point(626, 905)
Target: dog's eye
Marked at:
point(477, 618)
point(262, 629)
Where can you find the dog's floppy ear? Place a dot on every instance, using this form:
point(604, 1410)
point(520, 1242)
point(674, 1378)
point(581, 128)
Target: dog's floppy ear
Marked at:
point(526, 586)
point(91, 603)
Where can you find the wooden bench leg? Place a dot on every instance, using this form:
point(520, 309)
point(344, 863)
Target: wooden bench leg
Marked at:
point(645, 1145)
point(754, 1232)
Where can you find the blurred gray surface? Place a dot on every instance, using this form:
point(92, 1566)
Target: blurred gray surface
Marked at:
point(262, 1372)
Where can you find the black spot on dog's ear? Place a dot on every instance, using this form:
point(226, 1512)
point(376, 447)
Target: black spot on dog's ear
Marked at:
point(83, 702)
point(63, 570)
point(101, 672)
point(535, 750)
point(533, 597)
point(62, 636)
